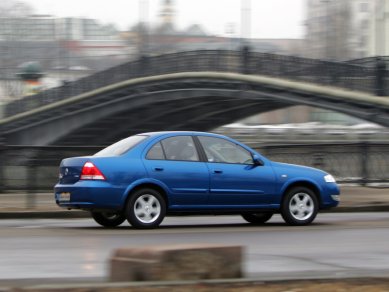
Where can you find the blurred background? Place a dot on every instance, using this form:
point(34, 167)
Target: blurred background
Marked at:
point(46, 46)
point(300, 81)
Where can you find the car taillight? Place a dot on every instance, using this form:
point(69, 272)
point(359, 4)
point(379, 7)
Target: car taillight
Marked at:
point(90, 171)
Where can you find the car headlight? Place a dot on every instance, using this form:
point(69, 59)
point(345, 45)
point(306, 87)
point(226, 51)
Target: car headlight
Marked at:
point(329, 178)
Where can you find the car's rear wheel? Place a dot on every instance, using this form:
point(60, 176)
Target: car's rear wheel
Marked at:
point(108, 219)
point(300, 206)
point(146, 208)
point(257, 218)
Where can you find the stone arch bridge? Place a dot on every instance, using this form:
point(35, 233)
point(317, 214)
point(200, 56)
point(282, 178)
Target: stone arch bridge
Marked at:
point(197, 90)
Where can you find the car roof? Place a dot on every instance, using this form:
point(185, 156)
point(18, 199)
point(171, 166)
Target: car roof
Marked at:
point(166, 134)
point(161, 133)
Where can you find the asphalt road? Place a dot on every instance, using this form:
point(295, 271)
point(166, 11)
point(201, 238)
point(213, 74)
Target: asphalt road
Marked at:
point(336, 245)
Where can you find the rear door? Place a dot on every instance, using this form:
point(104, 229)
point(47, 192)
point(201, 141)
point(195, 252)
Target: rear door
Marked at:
point(175, 162)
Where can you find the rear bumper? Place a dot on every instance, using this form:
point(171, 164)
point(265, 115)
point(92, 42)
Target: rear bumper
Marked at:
point(89, 195)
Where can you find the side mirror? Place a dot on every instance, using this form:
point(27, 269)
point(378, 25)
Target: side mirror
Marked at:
point(257, 160)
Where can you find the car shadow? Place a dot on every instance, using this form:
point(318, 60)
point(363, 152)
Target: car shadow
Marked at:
point(204, 226)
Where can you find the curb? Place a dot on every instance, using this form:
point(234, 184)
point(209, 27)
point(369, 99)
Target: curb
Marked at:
point(358, 209)
point(371, 283)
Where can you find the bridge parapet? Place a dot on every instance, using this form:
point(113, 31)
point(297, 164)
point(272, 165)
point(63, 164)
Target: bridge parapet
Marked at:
point(339, 74)
point(35, 168)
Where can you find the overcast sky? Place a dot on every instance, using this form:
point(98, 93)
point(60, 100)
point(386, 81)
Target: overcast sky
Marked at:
point(269, 18)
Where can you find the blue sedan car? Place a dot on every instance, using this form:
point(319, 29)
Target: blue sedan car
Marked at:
point(145, 177)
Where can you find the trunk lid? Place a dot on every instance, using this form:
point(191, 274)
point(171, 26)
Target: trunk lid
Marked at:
point(70, 169)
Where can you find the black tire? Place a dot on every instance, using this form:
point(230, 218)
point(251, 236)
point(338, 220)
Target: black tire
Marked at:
point(145, 209)
point(108, 219)
point(300, 206)
point(257, 218)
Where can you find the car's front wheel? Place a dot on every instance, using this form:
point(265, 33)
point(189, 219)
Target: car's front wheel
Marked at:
point(300, 206)
point(257, 218)
point(145, 209)
point(108, 219)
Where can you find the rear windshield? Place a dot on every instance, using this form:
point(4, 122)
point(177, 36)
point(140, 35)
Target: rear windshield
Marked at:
point(121, 147)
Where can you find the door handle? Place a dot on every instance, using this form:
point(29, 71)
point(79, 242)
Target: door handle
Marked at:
point(158, 168)
point(218, 171)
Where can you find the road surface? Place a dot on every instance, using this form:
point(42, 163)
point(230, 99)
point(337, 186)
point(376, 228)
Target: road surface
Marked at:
point(336, 245)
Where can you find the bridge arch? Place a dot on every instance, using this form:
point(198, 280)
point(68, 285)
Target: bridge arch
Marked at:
point(184, 100)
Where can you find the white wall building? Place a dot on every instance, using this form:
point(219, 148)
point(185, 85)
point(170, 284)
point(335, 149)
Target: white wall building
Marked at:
point(379, 29)
point(339, 30)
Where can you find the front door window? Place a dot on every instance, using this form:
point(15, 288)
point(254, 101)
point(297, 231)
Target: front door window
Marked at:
point(223, 151)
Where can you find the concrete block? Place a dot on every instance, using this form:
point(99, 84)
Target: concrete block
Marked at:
point(176, 262)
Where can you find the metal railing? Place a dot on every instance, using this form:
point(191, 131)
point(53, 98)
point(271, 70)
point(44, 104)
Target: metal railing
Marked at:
point(361, 163)
point(340, 74)
point(33, 168)
point(370, 61)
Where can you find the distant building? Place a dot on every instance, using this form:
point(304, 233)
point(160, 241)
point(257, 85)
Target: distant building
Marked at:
point(31, 28)
point(50, 28)
point(164, 37)
point(66, 48)
point(347, 29)
point(60, 42)
point(338, 30)
point(167, 13)
point(379, 29)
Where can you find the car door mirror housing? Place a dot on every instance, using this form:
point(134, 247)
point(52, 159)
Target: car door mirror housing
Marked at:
point(257, 160)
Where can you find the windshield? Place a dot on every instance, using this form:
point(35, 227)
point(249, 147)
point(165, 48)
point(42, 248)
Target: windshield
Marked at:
point(121, 147)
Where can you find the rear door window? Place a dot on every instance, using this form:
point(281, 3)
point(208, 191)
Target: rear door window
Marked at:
point(180, 148)
point(156, 152)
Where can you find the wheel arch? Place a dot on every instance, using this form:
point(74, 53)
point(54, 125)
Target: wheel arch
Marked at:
point(146, 184)
point(303, 183)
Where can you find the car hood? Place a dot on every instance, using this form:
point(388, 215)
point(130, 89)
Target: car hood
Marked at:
point(293, 170)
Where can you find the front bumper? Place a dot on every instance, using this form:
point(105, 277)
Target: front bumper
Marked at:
point(330, 196)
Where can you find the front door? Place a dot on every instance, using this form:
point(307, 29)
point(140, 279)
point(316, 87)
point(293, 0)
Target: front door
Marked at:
point(235, 180)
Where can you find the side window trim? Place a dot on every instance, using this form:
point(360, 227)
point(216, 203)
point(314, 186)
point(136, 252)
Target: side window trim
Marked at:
point(163, 150)
point(200, 149)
